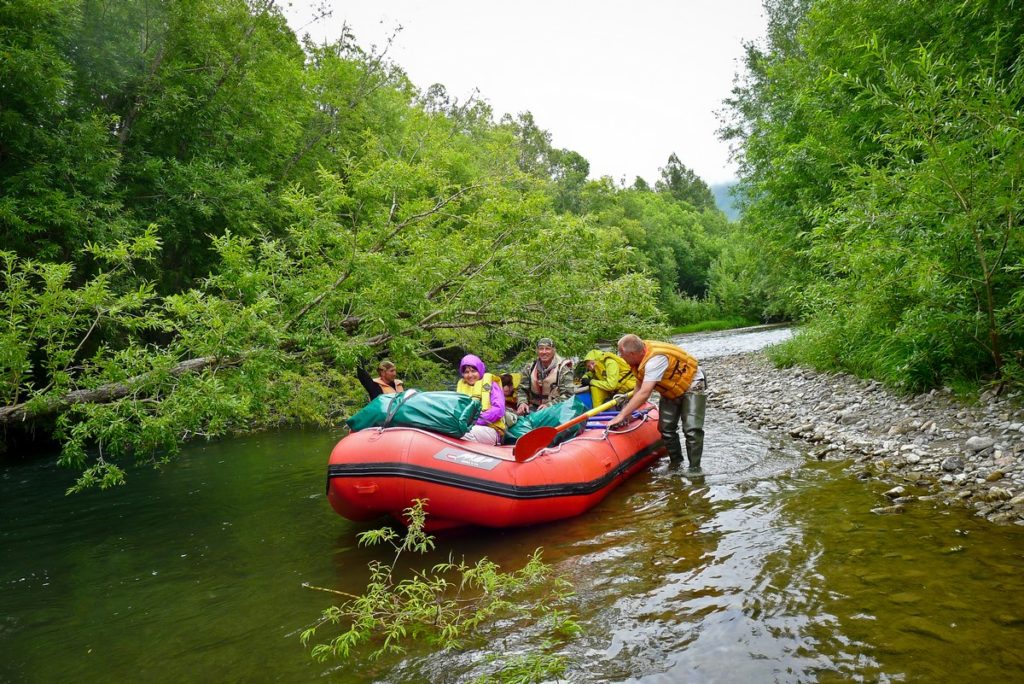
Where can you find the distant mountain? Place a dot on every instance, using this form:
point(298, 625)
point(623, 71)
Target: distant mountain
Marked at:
point(725, 200)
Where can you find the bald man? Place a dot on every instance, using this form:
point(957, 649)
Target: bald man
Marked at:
point(680, 382)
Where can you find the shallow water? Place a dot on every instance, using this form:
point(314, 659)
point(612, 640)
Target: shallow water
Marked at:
point(769, 568)
point(707, 345)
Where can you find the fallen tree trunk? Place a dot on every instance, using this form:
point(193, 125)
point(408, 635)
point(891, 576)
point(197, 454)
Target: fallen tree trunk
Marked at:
point(99, 395)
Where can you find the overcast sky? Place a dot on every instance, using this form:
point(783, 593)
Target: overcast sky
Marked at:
point(623, 82)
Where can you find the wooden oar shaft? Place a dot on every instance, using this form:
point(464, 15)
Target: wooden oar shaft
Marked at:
point(583, 416)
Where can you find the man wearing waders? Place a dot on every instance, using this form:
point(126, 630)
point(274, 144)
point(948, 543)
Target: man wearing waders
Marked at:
point(674, 373)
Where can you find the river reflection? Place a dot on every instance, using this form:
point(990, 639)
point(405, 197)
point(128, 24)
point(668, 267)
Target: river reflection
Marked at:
point(769, 568)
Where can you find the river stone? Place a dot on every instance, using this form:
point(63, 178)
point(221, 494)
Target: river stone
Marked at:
point(904, 597)
point(998, 494)
point(995, 475)
point(896, 492)
point(888, 510)
point(979, 443)
point(924, 627)
point(953, 463)
point(849, 417)
point(1010, 620)
point(1005, 461)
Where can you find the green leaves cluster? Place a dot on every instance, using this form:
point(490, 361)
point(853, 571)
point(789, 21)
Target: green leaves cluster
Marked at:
point(882, 152)
point(447, 607)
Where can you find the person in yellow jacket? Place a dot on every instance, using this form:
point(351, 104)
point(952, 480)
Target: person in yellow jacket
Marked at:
point(680, 382)
point(485, 388)
point(607, 375)
point(510, 386)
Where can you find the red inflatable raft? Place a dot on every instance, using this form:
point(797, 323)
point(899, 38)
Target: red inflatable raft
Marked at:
point(375, 472)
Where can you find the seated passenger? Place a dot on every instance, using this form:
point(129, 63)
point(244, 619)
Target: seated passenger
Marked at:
point(485, 388)
point(607, 374)
point(546, 380)
point(510, 385)
point(386, 381)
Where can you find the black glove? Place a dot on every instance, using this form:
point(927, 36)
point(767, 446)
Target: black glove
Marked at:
point(585, 381)
point(618, 425)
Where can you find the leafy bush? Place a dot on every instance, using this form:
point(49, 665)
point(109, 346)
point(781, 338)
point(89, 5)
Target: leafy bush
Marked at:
point(446, 607)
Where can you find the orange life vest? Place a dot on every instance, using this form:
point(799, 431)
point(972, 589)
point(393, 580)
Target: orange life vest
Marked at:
point(679, 374)
point(385, 388)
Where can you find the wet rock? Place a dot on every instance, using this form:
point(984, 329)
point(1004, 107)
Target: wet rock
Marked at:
point(1003, 517)
point(979, 443)
point(849, 417)
point(888, 510)
point(952, 464)
point(998, 494)
point(925, 627)
point(824, 451)
point(896, 491)
point(1010, 619)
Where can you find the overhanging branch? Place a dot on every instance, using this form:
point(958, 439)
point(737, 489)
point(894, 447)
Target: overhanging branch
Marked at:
point(18, 413)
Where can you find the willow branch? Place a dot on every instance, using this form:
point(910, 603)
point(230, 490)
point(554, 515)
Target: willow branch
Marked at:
point(441, 204)
point(380, 339)
point(377, 248)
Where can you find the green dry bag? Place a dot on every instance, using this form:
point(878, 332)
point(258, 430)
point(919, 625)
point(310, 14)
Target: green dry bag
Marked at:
point(553, 416)
point(448, 413)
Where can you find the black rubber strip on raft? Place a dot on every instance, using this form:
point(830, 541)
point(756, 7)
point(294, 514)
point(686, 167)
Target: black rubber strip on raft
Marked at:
point(475, 484)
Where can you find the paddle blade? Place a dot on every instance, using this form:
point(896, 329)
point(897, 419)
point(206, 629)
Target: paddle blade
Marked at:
point(533, 441)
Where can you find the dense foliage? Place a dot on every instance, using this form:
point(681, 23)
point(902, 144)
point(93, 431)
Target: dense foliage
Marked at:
point(882, 156)
point(205, 225)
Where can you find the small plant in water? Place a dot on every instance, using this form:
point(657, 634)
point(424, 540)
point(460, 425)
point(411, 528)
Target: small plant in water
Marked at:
point(449, 605)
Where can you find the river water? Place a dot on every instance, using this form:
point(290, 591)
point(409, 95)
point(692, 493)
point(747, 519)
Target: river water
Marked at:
point(769, 568)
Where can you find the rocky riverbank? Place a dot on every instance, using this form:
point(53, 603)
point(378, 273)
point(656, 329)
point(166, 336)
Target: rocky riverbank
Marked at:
point(930, 447)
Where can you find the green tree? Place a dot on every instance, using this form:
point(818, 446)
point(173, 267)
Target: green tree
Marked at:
point(880, 148)
point(684, 185)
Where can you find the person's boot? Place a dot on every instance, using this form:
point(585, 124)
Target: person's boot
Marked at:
point(693, 407)
point(668, 426)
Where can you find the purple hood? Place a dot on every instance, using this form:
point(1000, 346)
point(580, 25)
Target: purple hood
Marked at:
point(474, 361)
